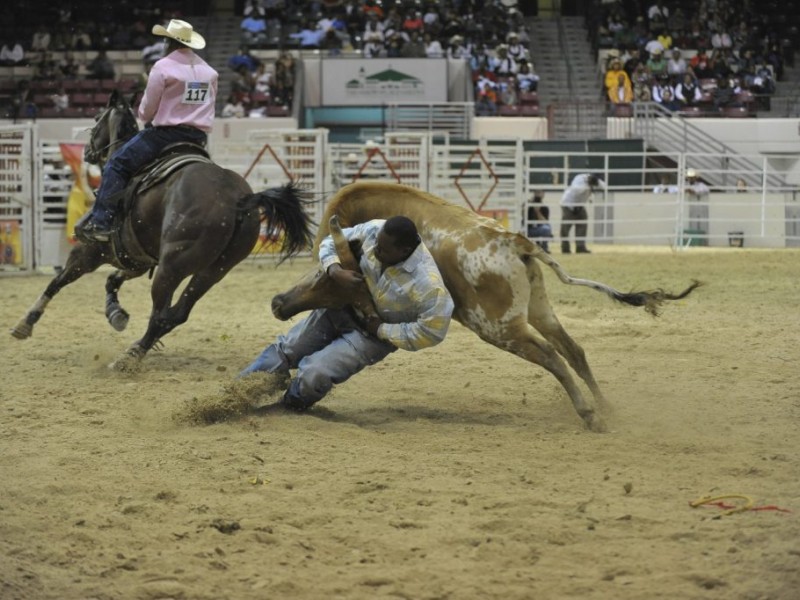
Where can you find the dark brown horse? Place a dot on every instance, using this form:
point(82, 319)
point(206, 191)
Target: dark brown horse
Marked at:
point(198, 222)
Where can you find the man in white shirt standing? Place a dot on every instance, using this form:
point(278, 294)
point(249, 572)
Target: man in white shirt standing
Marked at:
point(573, 210)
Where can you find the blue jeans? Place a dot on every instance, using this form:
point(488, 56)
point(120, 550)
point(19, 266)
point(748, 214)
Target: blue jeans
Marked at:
point(326, 348)
point(140, 150)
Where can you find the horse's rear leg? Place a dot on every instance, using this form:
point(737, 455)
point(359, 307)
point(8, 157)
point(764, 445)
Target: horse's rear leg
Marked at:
point(117, 316)
point(521, 340)
point(164, 317)
point(82, 259)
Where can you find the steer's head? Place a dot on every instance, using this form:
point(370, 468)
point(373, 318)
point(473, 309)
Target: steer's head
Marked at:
point(318, 290)
point(315, 290)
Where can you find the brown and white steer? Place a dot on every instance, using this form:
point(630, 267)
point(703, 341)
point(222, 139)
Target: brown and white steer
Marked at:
point(493, 275)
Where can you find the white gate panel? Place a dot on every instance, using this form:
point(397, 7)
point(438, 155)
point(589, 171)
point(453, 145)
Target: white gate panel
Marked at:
point(17, 227)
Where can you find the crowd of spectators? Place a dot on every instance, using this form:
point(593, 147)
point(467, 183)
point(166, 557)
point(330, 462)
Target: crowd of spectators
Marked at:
point(489, 34)
point(260, 89)
point(705, 56)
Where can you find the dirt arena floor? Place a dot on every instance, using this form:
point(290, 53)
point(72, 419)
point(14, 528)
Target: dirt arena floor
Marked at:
point(459, 472)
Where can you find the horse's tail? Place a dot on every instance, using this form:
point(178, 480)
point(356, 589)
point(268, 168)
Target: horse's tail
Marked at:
point(650, 299)
point(284, 207)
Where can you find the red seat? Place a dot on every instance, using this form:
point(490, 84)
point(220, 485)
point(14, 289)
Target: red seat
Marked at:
point(87, 85)
point(48, 112)
point(277, 111)
point(100, 98)
point(107, 85)
point(508, 110)
point(528, 98)
point(622, 109)
point(72, 112)
point(529, 110)
point(259, 99)
point(92, 111)
point(691, 111)
point(81, 99)
point(735, 112)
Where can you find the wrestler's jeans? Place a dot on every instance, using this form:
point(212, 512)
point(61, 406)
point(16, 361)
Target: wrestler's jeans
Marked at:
point(326, 348)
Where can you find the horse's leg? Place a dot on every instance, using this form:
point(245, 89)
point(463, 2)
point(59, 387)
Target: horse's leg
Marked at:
point(116, 315)
point(544, 320)
point(82, 259)
point(164, 317)
point(519, 338)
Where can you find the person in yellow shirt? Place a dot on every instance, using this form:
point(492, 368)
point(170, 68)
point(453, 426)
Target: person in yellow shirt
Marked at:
point(612, 78)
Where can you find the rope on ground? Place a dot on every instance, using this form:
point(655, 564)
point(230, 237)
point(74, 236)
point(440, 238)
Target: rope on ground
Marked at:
point(730, 509)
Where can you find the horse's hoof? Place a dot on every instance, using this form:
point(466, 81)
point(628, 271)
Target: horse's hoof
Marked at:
point(595, 423)
point(119, 319)
point(22, 331)
point(129, 362)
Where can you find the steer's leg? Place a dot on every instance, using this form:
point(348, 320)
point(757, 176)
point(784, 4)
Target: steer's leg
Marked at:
point(544, 320)
point(520, 338)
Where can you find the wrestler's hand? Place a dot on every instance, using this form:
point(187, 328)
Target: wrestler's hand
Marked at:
point(344, 277)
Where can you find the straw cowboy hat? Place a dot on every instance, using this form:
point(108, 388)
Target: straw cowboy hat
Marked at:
point(691, 173)
point(182, 32)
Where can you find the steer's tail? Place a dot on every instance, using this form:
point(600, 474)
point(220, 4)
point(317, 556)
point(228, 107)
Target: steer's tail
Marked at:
point(650, 299)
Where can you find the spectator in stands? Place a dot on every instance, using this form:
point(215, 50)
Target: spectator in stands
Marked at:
point(283, 80)
point(41, 39)
point(60, 99)
point(669, 101)
point(704, 69)
point(331, 43)
point(45, 69)
point(632, 61)
point(657, 16)
point(676, 20)
point(621, 92)
point(372, 8)
point(309, 37)
point(456, 48)
point(612, 78)
point(665, 39)
point(154, 52)
point(234, 108)
point(509, 94)
point(22, 105)
point(676, 65)
point(433, 49)
point(656, 63)
point(688, 91)
point(506, 66)
point(486, 102)
point(725, 95)
point(653, 47)
point(12, 55)
point(254, 30)
point(661, 86)
point(720, 40)
point(373, 46)
point(394, 48)
point(373, 28)
point(413, 22)
point(254, 8)
point(641, 84)
point(80, 39)
point(697, 192)
point(414, 48)
point(243, 58)
point(68, 67)
point(101, 67)
point(516, 50)
point(527, 80)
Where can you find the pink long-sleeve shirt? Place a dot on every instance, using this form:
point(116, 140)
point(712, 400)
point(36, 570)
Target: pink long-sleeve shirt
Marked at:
point(181, 90)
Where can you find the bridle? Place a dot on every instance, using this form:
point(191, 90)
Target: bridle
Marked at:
point(94, 155)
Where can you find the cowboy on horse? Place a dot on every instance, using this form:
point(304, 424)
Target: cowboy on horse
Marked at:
point(178, 105)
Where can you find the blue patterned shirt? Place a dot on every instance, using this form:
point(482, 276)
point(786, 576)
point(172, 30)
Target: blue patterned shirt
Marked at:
point(410, 296)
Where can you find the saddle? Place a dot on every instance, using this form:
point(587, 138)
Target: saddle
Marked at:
point(172, 158)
